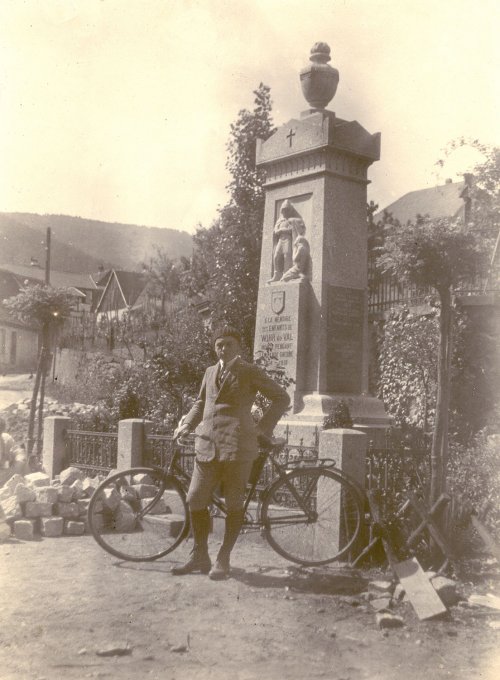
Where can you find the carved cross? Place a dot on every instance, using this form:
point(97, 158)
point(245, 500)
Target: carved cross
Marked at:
point(290, 136)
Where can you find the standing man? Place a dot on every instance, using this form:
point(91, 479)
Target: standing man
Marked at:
point(225, 445)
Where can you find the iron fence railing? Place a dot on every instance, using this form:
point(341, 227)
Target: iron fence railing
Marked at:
point(387, 291)
point(291, 454)
point(96, 453)
point(396, 470)
point(392, 470)
point(159, 449)
point(93, 452)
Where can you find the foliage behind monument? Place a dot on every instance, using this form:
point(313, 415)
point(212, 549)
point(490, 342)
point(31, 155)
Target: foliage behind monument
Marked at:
point(226, 258)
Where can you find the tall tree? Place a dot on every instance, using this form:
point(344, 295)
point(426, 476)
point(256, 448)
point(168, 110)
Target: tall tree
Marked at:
point(226, 259)
point(407, 368)
point(164, 275)
point(443, 253)
point(46, 307)
point(438, 253)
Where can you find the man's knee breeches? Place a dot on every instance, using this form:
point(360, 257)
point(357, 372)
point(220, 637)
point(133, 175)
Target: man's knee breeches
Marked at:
point(207, 477)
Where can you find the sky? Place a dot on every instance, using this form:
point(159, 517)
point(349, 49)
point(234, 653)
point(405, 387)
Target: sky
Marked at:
point(120, 110)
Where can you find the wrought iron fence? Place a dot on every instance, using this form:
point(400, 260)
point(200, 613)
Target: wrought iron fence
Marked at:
point(93, 452)
point(159, 449)
point(291, 454)
point(394, 471)
point(386, 291)
point(391, 470)
point(96, 453)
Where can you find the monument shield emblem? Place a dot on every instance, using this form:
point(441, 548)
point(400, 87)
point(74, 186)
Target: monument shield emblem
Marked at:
point(278, 301)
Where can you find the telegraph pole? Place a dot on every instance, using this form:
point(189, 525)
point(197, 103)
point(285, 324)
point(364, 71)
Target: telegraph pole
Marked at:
point(47, 257)
point(45, 350)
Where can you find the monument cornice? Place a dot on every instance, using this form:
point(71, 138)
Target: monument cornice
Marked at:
point(320, 160)
point(318, 130)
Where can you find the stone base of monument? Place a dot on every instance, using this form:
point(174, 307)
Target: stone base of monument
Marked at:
point(346, 448)
point(368, 415)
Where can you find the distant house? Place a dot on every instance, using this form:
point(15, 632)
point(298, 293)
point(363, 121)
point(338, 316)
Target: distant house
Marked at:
point(19, 341)
point(448, 200)
point(82, 285)
point(121, 291)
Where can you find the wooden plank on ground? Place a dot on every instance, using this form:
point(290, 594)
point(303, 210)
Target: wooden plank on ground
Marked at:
point(419, 590)
point(428, 521)
point(486, 537)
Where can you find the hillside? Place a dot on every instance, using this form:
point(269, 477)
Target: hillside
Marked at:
point(81, 245)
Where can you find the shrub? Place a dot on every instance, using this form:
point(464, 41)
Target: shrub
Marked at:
point(474, 480)
point(339, 416)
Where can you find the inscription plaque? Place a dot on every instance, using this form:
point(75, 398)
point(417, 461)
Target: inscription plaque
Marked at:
point(346, 309)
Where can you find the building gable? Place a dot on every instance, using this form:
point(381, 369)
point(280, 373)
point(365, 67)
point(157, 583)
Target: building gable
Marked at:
point(447, 200)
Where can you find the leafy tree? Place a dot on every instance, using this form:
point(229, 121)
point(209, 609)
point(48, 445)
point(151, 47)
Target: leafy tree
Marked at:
point(45, 307)
point(164, 276)
point(407, 368)
point(178, 362)
point(157, 388)
point(443, 254)
point(474, 476)
point(475, 396)
point(226, 258)
point(474, 337)
point(483, 186)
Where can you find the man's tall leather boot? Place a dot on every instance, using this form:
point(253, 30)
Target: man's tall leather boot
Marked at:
point(234, 522)
point(199, 560)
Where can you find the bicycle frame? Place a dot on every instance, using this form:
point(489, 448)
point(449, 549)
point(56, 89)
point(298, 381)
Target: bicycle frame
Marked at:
point(296, 493)
point(282, 470)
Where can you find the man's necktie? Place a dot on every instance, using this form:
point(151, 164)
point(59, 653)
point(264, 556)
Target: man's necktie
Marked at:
point(221, 374)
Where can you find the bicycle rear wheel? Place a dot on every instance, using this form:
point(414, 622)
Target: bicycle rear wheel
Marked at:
point(312, 516)
point(139, 514)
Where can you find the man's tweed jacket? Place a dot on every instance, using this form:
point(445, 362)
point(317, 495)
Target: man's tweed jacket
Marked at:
point(222, 416)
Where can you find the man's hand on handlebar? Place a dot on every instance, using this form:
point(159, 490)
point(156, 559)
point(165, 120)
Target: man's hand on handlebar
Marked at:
point(182, 430)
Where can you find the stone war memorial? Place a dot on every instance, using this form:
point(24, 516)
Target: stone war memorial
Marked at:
point(312, 300)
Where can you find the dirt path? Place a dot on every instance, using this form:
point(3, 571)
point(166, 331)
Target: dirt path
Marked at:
point(13, 388)
point(64, 599)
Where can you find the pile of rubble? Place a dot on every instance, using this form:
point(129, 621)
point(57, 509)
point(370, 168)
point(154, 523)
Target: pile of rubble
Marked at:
point(385, 596)
point(35, 505)
point(17, 414)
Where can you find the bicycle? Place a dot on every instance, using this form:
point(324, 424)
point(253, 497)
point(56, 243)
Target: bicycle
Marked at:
point(309, 514)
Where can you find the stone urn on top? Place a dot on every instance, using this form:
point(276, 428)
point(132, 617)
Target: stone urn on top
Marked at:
point(319, 80)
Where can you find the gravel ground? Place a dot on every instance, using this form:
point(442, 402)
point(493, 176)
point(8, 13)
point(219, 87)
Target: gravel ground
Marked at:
point(64, 602)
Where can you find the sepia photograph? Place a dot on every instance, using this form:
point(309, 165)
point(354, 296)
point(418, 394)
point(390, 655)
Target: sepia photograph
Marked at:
point(249, 340)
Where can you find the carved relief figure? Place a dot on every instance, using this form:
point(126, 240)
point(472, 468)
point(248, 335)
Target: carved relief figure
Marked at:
point(290, 246)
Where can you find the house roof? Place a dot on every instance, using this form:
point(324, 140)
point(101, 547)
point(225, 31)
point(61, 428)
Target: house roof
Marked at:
point(10, 320)
point(131, 285)
point(57, 279)
point(446, 200)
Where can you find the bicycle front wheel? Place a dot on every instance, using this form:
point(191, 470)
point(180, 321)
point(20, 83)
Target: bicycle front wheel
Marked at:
point(312, 516)
point(139, 514)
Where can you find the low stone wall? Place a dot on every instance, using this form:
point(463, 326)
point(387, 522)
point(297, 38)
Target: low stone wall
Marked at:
point(35, 505)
